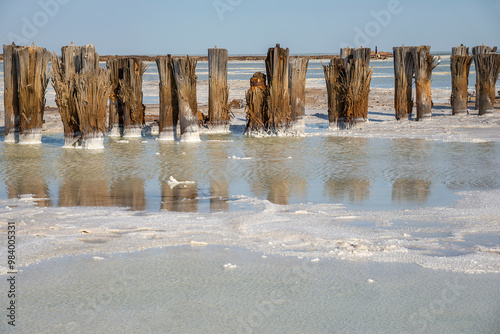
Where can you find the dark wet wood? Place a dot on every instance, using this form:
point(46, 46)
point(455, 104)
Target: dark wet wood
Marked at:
point(169, 104)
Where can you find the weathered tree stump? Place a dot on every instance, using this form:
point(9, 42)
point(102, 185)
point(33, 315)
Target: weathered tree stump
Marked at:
point(278, 99)
point(74, 60)
point(403, 81)
point(479, 50)
point(169, 104)
point(115, 122)
point(297, 86)
point(218, 91)
point(334, 75)
point(256, 98)
point(130, 96)
point(460, 65)
point(424, 63)
point(11, 102)
point(354, 89)
point(92, 91)
point(185, 79)
point(488, 69)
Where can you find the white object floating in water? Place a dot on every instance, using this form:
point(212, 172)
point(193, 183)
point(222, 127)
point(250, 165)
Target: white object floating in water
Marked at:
point(173, 182)
point(315, 260)
point(370, 281)
point(97, 258)
point(239, 158)
point(122, 141)
point(144, 142)
point(230, 266)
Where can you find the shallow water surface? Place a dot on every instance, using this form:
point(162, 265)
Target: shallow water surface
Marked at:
point(359, 172)
point(196, 290)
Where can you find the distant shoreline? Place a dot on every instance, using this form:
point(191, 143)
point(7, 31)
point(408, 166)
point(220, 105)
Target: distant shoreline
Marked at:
point(381, 55)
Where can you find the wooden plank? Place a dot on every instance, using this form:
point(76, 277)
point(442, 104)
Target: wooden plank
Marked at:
point(130, 95)
point(218, 91)
point(185, 79)
point(169, 104)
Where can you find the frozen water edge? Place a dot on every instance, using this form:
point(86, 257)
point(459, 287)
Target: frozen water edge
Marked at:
point(301, 230)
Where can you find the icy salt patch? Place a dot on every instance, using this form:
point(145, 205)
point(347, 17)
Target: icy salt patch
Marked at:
point(274, 229)
point(229, 266)
point(239, 158)
point(174, 182)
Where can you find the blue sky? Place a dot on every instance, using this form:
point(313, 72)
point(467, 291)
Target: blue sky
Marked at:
point(248, 26)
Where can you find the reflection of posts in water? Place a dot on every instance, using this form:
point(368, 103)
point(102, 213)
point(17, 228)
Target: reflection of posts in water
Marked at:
point(24, 173)
point(348, 178)
point(179, 197)
point(128, 192)
point(83, 184)
point(219, 195)
point(276, 171)
point(410, 190)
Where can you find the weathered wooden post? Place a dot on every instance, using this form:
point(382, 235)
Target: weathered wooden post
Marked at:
point(74, 60)
point(32, 66)
point(278, 99)
point(218, 91)
point(488, 70)
point(92, 93)
point(297, 86)
point(403, 77)
point(130, 95)
point(460, 66)
point(354, 91)
point(11, 103)
point(185, 80)
point(256, 105)
point(169, 104)
point(115, 122)
point(334, 75)
point(479, 50)
point(424, 63)
point(354, 87)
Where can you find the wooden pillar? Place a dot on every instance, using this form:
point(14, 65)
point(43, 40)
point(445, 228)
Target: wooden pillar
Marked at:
point(403, 77)
point(130, 95)
point(460, 66)
point(479, 50)
point(278, 100)
point(218, 91)
point(256, 105)
point(32, 66)
point(92, 91)
point(11, 102)
point(74, 60)
point(354, 91)
point(488, 69)
point(169, 104)
point(115, 122)
point(424, 63)
point(334, 75)
point(185, 79)
point(297, 86)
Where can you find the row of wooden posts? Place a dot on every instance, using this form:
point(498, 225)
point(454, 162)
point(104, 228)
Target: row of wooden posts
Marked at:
point(275, 100)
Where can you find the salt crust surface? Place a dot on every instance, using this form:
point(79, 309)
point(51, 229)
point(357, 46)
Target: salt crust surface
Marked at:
point(302, 230)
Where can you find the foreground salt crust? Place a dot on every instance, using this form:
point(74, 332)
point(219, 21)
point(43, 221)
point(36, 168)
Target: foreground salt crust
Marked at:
point(420, 236)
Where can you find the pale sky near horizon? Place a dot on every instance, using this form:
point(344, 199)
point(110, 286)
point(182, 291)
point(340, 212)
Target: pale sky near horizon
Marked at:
point(155, 27)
